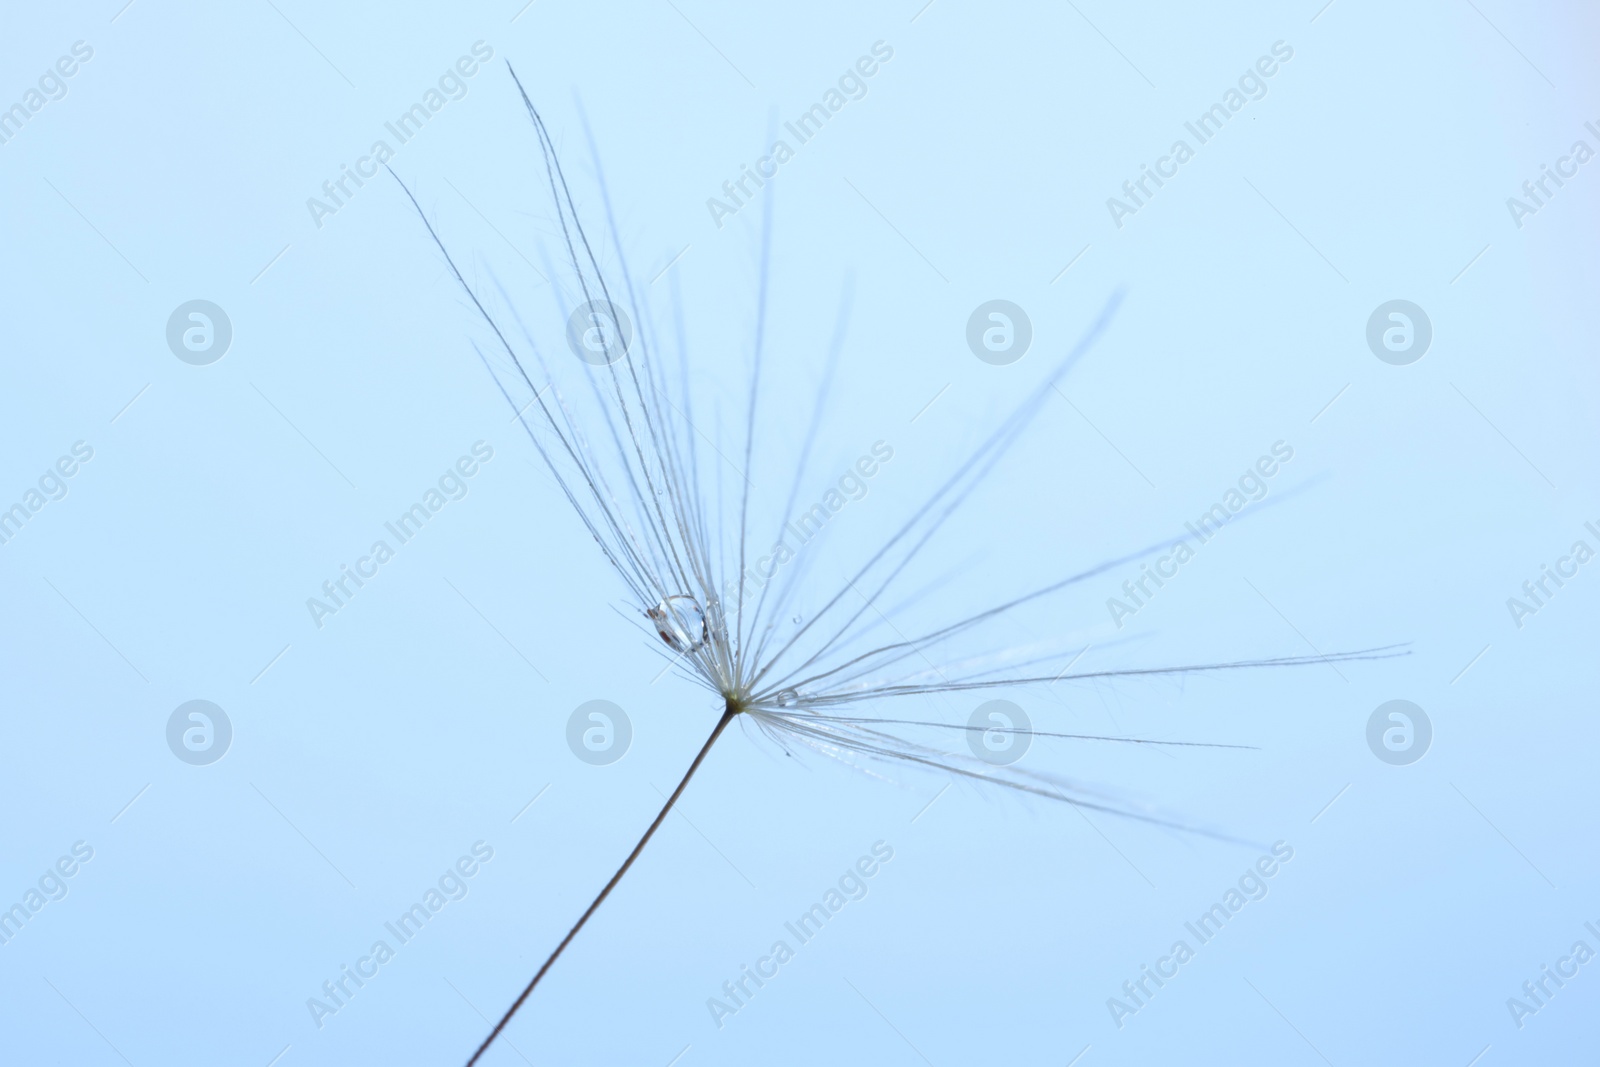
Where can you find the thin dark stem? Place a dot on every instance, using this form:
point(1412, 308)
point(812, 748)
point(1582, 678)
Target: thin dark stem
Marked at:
point(722, 724)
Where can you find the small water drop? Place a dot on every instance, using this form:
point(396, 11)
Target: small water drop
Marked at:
point(680, 622)
point(787, 698)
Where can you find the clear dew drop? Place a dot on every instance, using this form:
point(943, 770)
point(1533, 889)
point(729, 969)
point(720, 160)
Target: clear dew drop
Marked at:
point(680, 622)
point(786, 698)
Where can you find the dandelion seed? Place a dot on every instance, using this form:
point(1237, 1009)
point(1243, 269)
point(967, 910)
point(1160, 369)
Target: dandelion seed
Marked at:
point(648, 486)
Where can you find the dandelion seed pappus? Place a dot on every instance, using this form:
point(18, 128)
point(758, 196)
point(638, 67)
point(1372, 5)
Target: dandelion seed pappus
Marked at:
point(614, 423)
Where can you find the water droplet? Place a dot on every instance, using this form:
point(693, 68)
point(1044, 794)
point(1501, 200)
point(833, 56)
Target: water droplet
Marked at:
point(787, 698)
point(797, 620)
point(680, 622)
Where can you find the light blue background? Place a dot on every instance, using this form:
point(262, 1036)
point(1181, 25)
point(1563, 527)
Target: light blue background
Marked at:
point(377, 749)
